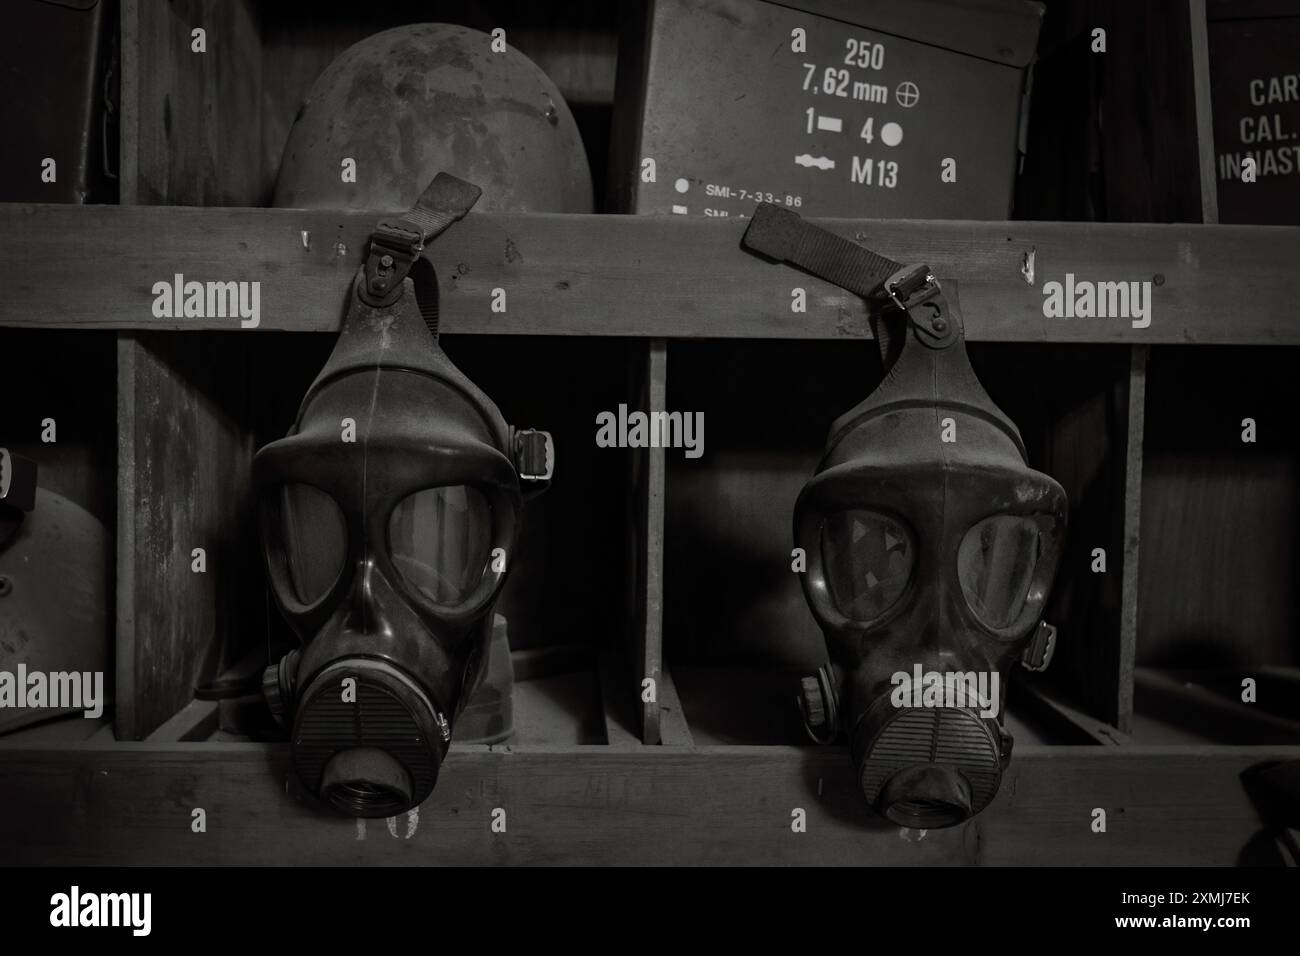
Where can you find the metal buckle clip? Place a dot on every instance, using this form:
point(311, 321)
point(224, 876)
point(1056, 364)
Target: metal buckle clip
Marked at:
point(17, 481)
point(534, 454)
point(395, 237)
point(911, 286)
point(1038, 652)
point(393, 250)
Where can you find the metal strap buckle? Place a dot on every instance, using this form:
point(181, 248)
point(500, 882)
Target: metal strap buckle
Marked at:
point(17, 481)
point(393, 250)
point(1038, 652)
point(911, 286)
point(534, 454)
point(396, 244)
point(396, 237)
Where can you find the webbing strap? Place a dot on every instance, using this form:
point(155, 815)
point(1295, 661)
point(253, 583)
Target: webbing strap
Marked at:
point(397, 243)
point(783, 235)
point(445, 200)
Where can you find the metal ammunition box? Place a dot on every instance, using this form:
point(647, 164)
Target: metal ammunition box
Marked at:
point(883, 109)
point(1255, 94)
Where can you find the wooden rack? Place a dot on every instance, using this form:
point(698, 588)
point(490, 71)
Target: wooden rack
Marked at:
point(654, 295)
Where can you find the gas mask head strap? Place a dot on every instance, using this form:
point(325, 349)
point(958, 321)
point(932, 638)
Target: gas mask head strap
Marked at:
point(782, 235)
point(396, 244)
point(395, 247)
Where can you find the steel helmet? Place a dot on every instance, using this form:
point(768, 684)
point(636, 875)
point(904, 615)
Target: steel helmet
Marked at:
point(54, 595)
point(417, 100)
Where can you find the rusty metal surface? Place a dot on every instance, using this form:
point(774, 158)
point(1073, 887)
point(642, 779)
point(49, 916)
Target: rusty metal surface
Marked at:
point(414, 101)
point(857, 124)
point(54, 599)
point(1255, 90)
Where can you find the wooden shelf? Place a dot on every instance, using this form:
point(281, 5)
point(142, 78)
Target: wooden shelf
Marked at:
point(190, 411)
point(652, 805)
point(95, 267)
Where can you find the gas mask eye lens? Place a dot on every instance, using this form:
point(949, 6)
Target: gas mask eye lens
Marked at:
point(439, 540)
point(314, 535)
point(868, 558)
point(995, 563)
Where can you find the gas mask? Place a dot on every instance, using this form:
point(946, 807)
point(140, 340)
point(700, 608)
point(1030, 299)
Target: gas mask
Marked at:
point(388, 515)
point(931, 547)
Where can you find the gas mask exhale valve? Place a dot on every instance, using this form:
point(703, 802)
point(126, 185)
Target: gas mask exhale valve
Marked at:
point(931, 547)
point(388, 517)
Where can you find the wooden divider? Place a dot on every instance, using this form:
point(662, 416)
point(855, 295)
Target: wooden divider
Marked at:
point(183, 459)
point(1135, 416)
point(183, 527)
point(650, 636)
point(190, 130)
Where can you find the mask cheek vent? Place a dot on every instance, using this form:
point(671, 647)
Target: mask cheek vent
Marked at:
point(927, 767)
point(375, 756)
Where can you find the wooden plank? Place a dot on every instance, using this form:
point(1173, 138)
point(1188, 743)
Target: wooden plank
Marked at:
point(190, 129)
point(617, 694)
point(128, 146)
point(184, 461)
point(1204, 110)
point(1112, 136)
point(130, 355)
point(674, 729)
point(1220, 547)
point(104, 737)
point(1214, 716)
point(1143, 123)
point(68, 731)
point(733, 599)
point(194, 722)
point(1071, 405)
point(1073, 725)
point(639, 275)
point(1129, 586)
point(631, 84)
point(591, 805)
point(1277, 688)
point(650, 638)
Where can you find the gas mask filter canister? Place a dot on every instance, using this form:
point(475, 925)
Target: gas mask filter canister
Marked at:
point(931, 548)
point(387, 547)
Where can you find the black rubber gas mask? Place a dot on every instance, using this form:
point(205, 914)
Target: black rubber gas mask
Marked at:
point(388, 518)
point(931, 547)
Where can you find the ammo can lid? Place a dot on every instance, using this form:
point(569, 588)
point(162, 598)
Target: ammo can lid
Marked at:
point(1003, 31)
